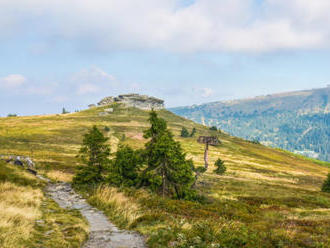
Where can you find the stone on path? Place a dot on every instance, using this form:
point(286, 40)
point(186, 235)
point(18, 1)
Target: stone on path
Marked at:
point(103, 234)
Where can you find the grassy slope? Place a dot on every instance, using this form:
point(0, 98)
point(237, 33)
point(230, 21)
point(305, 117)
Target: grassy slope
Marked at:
point(29, 219)
point(267, 196)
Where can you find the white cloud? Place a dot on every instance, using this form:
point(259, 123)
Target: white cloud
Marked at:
point(17, 84)
point(207, 92)
point(204, 25)
point(92, 80)
point(12, 81)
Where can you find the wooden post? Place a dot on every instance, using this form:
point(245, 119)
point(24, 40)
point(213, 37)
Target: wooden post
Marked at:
point(208, 140)
point(206, 155)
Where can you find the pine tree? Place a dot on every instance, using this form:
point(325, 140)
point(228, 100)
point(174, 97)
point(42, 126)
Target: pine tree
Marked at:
point(125, 167)
point(220, 167)
point(193, 132)
point(64, 111)
point(184, 132)
point(326, 184)
point(94, 153)
point(214, 128)
point(168, 171)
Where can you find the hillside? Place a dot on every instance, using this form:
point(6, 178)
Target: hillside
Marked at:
point(29, 219)
point(295, 121)
point(267, 197)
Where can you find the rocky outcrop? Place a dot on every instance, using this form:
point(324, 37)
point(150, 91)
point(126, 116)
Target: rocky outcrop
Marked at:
point(106, 101)
point(135, 100)
point(22, 161)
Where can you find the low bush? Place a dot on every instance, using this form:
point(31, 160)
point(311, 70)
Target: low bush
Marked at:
point(220, 167)
point(326, 185)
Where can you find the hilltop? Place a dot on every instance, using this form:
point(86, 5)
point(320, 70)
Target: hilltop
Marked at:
point(133, 100)
point(296, 121)
point(267, 197)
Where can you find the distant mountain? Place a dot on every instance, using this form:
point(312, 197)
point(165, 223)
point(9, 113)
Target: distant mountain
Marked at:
point(296, 121)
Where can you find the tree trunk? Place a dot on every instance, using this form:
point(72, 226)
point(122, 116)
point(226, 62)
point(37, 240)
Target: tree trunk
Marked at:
point(206, 155)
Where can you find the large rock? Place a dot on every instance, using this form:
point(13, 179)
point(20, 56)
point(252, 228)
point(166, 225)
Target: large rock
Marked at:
point(135, 100)
point(106, 101)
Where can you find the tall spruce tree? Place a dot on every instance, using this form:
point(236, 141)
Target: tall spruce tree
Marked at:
point(124, 170)
point(168, 171)
point(94, 153)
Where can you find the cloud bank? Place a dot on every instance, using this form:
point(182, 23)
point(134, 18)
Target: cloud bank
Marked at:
point(202, 25)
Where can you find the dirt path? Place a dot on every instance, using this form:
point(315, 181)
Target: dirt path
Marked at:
point(103, 234)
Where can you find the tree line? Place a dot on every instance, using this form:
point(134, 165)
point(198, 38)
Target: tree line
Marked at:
point(161, 166)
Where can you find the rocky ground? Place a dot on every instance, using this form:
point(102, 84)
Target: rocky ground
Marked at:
point(103, 234)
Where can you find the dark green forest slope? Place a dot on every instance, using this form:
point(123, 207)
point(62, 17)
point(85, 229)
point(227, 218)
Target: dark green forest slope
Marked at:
point(296, 121)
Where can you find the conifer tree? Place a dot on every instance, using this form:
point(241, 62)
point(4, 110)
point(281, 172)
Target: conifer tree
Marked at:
point(193, 132)
point(64, 111)
point(326, 184)
point(125, 167)
point(184, 132)
point(220, 167)
point(94, 153)
point(168, 171)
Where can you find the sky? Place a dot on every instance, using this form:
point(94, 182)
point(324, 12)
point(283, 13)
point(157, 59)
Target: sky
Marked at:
point(71, 53)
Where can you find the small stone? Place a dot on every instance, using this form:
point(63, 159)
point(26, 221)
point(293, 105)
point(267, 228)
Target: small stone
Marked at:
point(40, 222)
point(49, 232)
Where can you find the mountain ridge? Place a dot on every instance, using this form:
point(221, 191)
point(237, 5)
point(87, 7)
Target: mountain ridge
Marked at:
point(279, 120)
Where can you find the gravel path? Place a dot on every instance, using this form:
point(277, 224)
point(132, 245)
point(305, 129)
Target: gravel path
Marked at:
point(103, 234)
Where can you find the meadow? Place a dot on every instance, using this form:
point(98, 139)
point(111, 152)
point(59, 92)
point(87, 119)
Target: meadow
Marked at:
point(29, 219)
point(266, 198)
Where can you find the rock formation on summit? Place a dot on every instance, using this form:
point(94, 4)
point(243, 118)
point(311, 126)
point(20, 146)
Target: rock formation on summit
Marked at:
point(135, 100)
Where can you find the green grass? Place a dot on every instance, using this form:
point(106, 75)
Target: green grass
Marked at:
point(29, 219)
point(267, 197)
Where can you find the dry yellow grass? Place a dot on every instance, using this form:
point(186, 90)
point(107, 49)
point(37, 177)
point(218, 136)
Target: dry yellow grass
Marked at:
point(121, 205)
point(59, 176)
point(19, 209)
point(29, 219)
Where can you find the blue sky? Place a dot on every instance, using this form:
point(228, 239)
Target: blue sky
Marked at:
point(69, 53)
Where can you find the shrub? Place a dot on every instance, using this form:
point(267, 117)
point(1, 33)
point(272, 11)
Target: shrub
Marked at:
point(87, 175)
point(184, 132)
point(255, 141)
point(214, 128)
point(193, 132)
point(326, 184)
point(107, 129)
point(220, 167)
point(124, 169)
